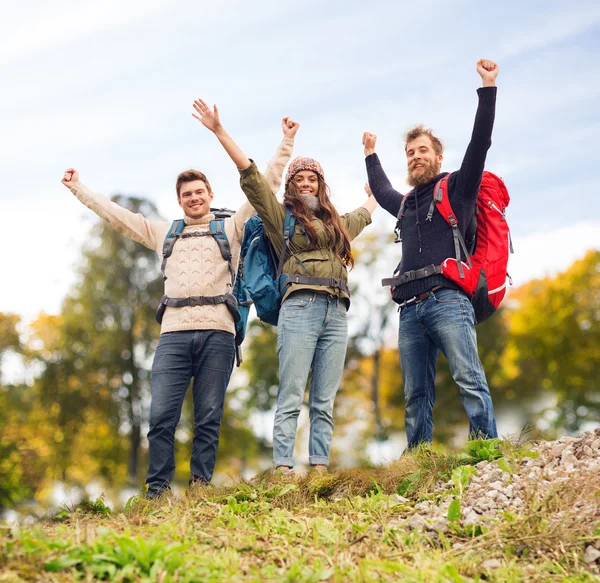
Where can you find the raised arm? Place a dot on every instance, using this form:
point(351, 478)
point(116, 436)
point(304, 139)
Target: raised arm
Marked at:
point(383, 191)
point(371, 203)
point(471, 169)
point(277, 164)
point(274, 171)
point(209, 118)
point(132, 225)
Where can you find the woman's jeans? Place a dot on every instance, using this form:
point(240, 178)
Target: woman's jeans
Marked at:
point(207, 356)
point(444, 321)
point(312, 333)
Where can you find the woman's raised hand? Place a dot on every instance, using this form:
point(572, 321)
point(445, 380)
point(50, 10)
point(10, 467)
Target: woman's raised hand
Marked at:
point(208, 117)
point(290, 127)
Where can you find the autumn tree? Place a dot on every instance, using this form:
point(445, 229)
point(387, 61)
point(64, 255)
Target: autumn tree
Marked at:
point(554, 343)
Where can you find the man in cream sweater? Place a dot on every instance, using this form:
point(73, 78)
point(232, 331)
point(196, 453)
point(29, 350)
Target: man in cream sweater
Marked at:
point(195, 341)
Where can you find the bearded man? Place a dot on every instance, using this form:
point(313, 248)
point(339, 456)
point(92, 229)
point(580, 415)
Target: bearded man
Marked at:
point(435, 314)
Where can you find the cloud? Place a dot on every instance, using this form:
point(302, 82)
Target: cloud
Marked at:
point(549, 252)
point(31, 27)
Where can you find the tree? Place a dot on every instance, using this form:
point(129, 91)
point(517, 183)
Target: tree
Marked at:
point(98, 364)
point(554, 343)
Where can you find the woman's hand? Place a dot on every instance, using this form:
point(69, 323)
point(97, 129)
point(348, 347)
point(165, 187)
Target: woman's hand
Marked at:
point(207, 117)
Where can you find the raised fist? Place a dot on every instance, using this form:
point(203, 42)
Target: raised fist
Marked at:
point(71, 177)
point(369, 141)
point(289, 127)
point(488, 71)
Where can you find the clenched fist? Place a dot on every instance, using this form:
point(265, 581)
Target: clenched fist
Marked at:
point(71, 177)
point(369, 141)
point(290, 127)
point(488, 71)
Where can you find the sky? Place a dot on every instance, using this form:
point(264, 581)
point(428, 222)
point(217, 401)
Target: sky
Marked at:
point(107, 87)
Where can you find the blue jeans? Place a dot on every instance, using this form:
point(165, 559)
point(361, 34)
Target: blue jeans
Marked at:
point(312, 333)
point(207, 356)
point(444, 321)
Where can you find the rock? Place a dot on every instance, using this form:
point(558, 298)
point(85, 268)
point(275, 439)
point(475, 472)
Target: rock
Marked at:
point(530, 569)
point(415, 522)
point(557, 448)
point(491, 564)
point(497, 486)
point(438, 523)
point(471, 517)
point(568, 457)
point(591, 554)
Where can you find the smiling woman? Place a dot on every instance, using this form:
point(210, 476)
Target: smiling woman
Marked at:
point(312, 329)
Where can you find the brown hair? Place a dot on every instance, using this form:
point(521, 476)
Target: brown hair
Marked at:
point(419, 131)
point(190, 176)
point(331, 219)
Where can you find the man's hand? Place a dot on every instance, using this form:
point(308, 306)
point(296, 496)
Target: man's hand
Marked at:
point(488, 71)
point(368, 189)
point(369, 141)
point(207, 117)
point(289, 127)
point(71, 177)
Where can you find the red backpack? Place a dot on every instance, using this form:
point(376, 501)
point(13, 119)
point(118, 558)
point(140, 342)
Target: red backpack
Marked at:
point(483, 277)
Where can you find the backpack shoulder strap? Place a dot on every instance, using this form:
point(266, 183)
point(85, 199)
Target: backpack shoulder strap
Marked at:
point(176, 227)
point(288, 229)
point(441, 200)
point(217, 230)
point(400, 219)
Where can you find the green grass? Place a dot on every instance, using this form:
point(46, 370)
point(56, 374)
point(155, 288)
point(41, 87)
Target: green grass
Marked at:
point(339, 527)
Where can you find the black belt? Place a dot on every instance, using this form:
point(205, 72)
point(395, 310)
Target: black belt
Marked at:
point(412, 275)
point(419, 297)
point(308, 280)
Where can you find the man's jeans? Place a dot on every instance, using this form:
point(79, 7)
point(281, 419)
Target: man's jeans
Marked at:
point(444, 321)
point(206, 355)
point(312, 332)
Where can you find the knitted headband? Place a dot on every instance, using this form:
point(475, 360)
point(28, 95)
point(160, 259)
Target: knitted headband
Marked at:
point(299, 164)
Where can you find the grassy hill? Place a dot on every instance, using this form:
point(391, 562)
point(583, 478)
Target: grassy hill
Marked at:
point(493, 512)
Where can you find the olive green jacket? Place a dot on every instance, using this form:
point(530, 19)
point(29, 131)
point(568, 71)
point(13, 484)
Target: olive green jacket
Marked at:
point(320, 262)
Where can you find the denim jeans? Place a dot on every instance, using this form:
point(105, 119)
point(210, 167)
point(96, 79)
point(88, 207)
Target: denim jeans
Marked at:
point(444, 321)
point(207, 356)
point(312, 333)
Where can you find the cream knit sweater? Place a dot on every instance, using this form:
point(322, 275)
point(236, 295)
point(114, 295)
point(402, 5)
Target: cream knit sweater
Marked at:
point(196, 267)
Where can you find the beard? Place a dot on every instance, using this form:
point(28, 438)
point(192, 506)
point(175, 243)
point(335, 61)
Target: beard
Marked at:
point(423, 175)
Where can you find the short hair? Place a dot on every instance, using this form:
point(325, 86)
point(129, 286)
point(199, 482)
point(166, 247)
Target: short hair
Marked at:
point(190, 176)
point(419, 131)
